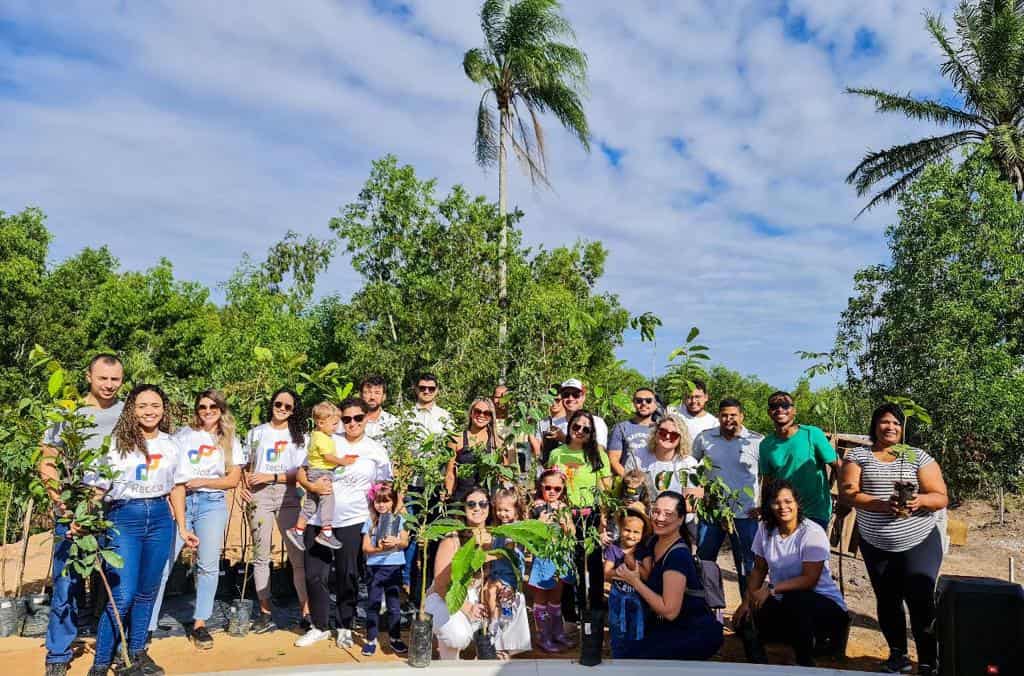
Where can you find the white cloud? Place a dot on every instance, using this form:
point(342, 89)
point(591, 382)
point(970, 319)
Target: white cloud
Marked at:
point(200, 131)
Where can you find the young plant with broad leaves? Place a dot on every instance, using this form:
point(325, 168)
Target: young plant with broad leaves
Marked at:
point(720, 504)
point(686, 364)
point(903, 451)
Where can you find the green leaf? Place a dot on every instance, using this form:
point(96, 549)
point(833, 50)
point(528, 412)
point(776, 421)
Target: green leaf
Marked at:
point(87, 543)
point(55, 383)
point(694, 332)
point(262, 354)
point(113, 559)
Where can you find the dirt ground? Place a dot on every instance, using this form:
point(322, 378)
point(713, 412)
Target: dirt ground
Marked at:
point(987, 553)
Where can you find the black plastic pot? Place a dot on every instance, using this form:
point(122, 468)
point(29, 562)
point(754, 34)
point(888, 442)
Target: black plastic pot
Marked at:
point(484, 646)
point(38, 617)
point(904, 492)
point(592, 635)
point(12, 615)
point(421, 641)
point(239, 614)
point(179, 582)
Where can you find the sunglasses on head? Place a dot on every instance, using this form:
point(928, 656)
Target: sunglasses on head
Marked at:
point(427, 388)
point(283, 406)
point(551, 489)
point(776, 405)
point(359, 417)
point(580, 429)
point(473, 504)
point(482, 412)
point(667, 435)
point(643, 400)
point(207, 407)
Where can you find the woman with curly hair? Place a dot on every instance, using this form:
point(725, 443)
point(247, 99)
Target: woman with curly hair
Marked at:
point(135, 479)
point(276, 450)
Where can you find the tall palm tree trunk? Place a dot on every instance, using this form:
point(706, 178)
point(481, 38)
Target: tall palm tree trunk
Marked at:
point(503, 247)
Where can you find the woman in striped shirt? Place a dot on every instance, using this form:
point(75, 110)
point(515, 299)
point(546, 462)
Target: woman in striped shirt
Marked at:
point(899, 539)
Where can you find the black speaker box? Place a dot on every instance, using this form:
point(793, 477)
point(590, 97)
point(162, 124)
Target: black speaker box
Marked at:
point(979, 622)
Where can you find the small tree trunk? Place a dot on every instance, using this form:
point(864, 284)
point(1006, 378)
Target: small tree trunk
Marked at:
point(117, 616)
point(24, 542)
point(503, 247)
point(423, 579)
point(3, 542)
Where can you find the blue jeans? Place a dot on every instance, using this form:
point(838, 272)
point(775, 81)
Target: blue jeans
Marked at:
point(206, 514)
point(711, 537)
point(63, 628)
point(142, 534)
point(625, 619)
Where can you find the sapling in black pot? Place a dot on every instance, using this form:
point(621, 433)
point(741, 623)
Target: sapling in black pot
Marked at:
point(240, 610)
point(903, 490)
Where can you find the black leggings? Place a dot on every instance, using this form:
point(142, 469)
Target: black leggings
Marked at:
point(348, 565)
point(906, 576)
point(800, 618)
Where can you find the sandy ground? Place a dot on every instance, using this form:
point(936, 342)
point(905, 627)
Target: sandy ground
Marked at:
point(987, 553)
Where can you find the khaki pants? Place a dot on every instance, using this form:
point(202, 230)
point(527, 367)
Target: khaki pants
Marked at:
point(275, 503)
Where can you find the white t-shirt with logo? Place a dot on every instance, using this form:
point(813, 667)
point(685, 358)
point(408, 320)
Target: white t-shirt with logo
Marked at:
point(136, 478)
point(275, 452)
point(667, 475)
point(352, 482)
point(203, 458)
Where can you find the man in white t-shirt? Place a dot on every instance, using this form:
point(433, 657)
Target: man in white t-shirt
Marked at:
point(697, 419)
point(374, 391)
point(426, 412)
point(105, 376)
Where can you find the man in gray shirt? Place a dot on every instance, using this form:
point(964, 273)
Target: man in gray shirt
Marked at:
point(734, 451)
point(105, 376)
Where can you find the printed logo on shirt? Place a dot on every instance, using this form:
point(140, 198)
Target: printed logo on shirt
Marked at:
point(662, 480)
point(196, 455)
point(142, 471)
point(274, 454)
point(570, 472)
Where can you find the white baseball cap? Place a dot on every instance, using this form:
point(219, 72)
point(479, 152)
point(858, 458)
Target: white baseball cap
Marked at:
point(573, 383)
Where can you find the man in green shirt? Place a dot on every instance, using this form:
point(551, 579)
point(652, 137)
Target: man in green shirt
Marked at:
point(799, 454)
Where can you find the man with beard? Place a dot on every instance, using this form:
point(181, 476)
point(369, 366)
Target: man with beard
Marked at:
point(697, 419)
point(374, 391)
point(632, 437)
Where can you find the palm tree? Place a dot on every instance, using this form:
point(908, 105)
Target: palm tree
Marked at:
point(986, 68)
point(527, 68)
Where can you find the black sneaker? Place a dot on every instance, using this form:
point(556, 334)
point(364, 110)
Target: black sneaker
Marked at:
point(145, 663)
point(305, 623)
point(898, 663)
point(56, 668)
point(262, 624)
point(398, 646)
point(926, 670)
point(201, 638)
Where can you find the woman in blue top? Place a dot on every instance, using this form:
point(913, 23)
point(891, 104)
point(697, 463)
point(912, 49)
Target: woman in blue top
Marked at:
point(682, 627)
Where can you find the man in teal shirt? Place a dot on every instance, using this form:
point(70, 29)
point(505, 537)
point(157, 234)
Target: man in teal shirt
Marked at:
point(799, 454)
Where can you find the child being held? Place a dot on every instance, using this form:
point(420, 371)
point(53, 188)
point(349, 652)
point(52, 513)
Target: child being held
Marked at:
point(322, 460)
point(384, 544)
point(625, 607)
point(500, 593)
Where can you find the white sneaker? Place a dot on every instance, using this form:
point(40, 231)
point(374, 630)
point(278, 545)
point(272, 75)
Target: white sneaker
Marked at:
point(312, 636)
point(344, 638)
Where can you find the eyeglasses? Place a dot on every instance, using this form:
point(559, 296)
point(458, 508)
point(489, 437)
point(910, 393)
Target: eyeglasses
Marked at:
point(580, 429)
point(346, 419)
point(281, 405)
point(551, 489)
point(481, 412)
point(643, 400)
point(784, 405)
point(570, 394)
point(207, 407)
point(668, 435)
point(473, 504)
point(427, 388)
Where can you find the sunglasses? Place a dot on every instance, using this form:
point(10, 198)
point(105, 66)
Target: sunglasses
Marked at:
point(283, 406)
point(473, 504)
point(571, 394)
point(551, 489)
point(346, 419)
point(481, 412)
point(427, 388)
point(784, 405)
point(668, 435)
point(580, 429)
point(207, 407)
point(643, 400)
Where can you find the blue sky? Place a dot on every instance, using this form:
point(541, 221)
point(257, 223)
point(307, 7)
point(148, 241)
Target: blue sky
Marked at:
point(199, 131)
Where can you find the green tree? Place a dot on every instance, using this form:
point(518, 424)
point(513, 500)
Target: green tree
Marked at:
point(527, 67)
point(24, 242)
point(985, 65)
point(942, 323)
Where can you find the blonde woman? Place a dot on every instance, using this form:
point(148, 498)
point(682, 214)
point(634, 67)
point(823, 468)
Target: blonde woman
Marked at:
point(670, 465)
point(479, 433)
point(211, 464)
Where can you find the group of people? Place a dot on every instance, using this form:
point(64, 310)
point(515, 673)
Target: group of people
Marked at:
point(330, 494)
